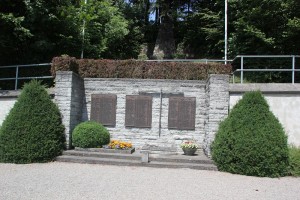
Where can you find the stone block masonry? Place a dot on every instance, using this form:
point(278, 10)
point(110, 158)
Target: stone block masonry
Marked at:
point(217, 105)
point(73, 96)
point(69, 94)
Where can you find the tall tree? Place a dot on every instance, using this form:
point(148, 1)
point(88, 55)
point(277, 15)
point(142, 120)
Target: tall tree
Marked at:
point(203, 30)
point(291, 40)
point(34, 31)
point(165, 41)
point(101, 24)
point(256, 26)
point(129, 46)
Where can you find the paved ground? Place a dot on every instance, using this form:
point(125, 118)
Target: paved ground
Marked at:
point(57, 181)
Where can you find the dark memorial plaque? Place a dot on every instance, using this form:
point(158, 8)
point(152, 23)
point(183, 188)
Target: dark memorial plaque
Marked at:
point(130, 111)
point(138, 111)
point(173, 113)
point(186, 119)
point(182, 111)
point(103, 109)
point(143, 112)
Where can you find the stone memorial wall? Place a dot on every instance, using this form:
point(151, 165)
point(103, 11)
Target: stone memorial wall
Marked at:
point(144, 111)
point(170, 118)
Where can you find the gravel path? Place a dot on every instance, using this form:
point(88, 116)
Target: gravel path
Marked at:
point(57, 181)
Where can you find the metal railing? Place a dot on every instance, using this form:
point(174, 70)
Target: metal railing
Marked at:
point(293, 69)
point(242, 69)
point(17, 78)
point(204, 60)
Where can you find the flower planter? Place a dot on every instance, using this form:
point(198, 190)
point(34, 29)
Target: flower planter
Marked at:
point(189, 151)
point(103, 150)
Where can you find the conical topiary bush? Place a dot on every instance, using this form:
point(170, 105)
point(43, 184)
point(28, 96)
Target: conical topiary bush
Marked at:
point(251, 141)
point(32, 131)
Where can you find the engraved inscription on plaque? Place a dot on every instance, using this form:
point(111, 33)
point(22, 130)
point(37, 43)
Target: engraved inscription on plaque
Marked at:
point(144, 111)
point(182, 111)
point(173, 113)
point(138, 111)
point(130, 111)
point(103, 109)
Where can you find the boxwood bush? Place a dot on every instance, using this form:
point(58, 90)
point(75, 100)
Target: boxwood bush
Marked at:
point(251, 141)
point(90, 135)
point(32, 131)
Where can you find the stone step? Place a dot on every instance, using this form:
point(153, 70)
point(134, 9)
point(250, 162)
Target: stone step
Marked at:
point(97, 160)
point(199, 158)
point(198, 166)
point(124, 162)
point(102, 155)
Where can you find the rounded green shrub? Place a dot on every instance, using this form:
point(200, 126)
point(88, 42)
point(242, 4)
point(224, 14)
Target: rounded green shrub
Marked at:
point(33, 130)
point(90, 135)
point(251, 141)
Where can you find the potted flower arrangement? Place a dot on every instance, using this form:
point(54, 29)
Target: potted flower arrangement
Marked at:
point(189, 147)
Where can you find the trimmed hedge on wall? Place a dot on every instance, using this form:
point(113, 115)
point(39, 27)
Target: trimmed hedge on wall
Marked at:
point(90, 68)
point(63, 63)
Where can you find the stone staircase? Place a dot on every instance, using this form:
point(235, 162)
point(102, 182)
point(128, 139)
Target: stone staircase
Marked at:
point(160, 160)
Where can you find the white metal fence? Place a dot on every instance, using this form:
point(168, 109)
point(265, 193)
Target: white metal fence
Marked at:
point(291, 68)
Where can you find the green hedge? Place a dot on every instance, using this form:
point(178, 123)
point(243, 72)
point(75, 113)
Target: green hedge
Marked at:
point(251, 141)
point(89, 68)
point(33, 130)
point(63, 63)
point(294, 156)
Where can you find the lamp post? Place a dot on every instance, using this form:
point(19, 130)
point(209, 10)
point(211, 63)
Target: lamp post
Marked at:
point(225, 35)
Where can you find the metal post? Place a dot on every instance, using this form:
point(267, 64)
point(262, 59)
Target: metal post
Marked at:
point(17, 75)
point(160, 112)
point(242, 68)
point(83, 32)
point(225, 52)
point(293, 69)
point(233, 79)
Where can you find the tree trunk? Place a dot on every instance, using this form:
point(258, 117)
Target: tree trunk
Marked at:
point(165, 42)
point(146, 16)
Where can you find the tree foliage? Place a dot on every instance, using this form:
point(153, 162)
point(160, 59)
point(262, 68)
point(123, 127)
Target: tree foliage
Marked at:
point(263, 27)
point(36, 31)
point(101, 24)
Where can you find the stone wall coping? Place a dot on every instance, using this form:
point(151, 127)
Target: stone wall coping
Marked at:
point(276, 88)
point(67, 73)
point(16, 93)
point(146, 80)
